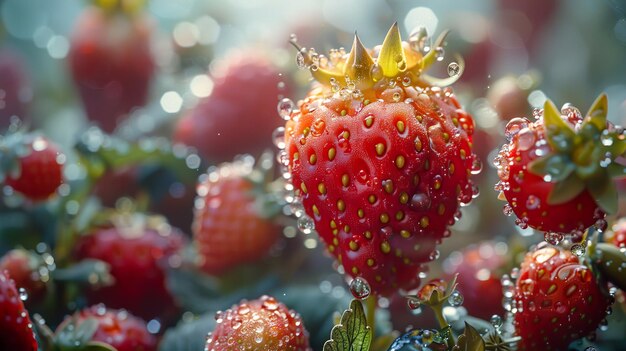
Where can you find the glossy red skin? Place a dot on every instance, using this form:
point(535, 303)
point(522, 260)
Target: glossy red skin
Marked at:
point(138, 266)
point(111, 63)
point(16, 331)
point(119, 329)
point(40, 173)
point(280, 329)
point(14, 87)
point(559, 298)
point(228, 230)
point(21, 267)
point(396, 260)
point(478, 279)
point(240, 115)
point(577, 214)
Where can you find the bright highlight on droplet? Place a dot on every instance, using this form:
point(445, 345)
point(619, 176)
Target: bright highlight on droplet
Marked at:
point(171, 102)
point(201, 85)
point(186, 34)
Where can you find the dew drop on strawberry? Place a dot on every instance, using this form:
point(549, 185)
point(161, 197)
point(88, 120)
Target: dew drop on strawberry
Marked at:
point(360, 288)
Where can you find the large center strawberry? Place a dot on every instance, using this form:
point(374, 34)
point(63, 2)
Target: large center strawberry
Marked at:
point(380, 168)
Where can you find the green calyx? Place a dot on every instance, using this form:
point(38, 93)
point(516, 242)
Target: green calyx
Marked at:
point(395, 60)
point(582, 159)
point(128, 7)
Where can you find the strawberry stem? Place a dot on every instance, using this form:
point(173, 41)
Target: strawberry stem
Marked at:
point(371, 303)
point(443, 324)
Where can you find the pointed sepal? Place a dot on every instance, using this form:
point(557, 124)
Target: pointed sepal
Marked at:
point(470, 340)
point(559, 134)
point(391, 58)
point(556, 166)
point(565, 190)
point(605, 194)
point(359, 65)
point(598, 111)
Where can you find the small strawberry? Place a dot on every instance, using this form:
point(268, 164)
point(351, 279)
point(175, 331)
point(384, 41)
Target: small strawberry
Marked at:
point(261, 324)
point(98, 324)
point(16, 332)
point(232, 223)
point(556, 172)
point(617, 235)
point(31, 165)
point(557, 299)
point(28, 271)
point(15, 89)
point(380, 160)
point(478, 268)
point(509, 95)
point(239, 116)
point(138, 250)
point(111, 61)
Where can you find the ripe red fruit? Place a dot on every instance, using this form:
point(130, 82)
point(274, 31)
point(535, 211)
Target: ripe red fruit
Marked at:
point(380, 162)
point(138, 255)
point(479, 271)
point(23, 267)
point(261, 324)
point(111, 63)
point(556, 172)
point(117, 328)
point(239, 116)
point(558, 300)
point(232, 224)
point(39, 168)
point(16, 332)
point(15, 90)
point(509, 95)
point(617, 235)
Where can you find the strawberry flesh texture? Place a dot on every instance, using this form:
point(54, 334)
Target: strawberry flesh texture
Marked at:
point(558, 300)
point(137, 266)
point(119, 329)
point(429, 178)
point(16, 331)
point(527, 193)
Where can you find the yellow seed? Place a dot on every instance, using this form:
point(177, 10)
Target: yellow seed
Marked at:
point(462, 154)
point(316, 210)
point(346, 228)
point(303, 187)
point(424, 222)
point(419, 118)
point(370, 262)
point(366, 102)
point(384, 218)
point(312, 159)
point(388, 185)
point(404, 198)
point(400, 126)
point(321, 188)
point(416, 247)
point(306, 131)
point(331, 153)
point(437, 184)
point(446, 137)
point(405, 234)
point(380, 149)
point(360, 213)
point(355, 270)
point(331, 248)
point(418, 145)
point(371, 199)
point(441, 209)
point(416, 179)
point(455, 121)
point(296, 156)
point(406, 260)
point(426, 165)
point(369, 121)
point(353, 245)
point(400, 161)
point(368, 234)
point(335, 241)
point(385, 247)
point(335, 232)
point(451, 168)
point(333, 224)
point(346, 135)
point(399, 215)
point(345, 180)
point(344, 112)
point(341, 206)
point(551, 289)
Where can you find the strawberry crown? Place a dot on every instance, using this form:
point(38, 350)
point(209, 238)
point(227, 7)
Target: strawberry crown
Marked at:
point(129, 7)
point(582, 158)
point(394, 59)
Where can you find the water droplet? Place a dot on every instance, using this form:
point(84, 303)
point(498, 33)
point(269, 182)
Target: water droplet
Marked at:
point(571, 112)
point(601, 225)
point(525, 139)
point(306, 224)
point(413, 303)
point(23, 294)
point(553, 238)
point(455, 299)
point(278, 137)
point(420, 201)
point(533, 202)
point(300, 61)
point(507, 209)
point(477, 165)
point(578, 250)
point(496, 321)
point(419, 40)
point(606, 138)
point(285, 106)
point(514, 126)
point(453, 69)
point(439, 53)
point(537, 113)
point(359, 288)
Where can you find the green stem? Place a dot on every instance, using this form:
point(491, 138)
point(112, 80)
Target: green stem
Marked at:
point(371, 304)
point(443, 324)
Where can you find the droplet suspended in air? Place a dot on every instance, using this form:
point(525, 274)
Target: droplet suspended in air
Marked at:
point(285, 106)
point(359, 288)
point(455, 299)
point(453, 69)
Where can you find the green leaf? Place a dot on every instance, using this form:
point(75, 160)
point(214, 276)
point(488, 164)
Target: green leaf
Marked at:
point(565, 190)
point(554, 165)
point(559, 134)
point(598, 111)
point(353, 333)
point(470, 340)
point(610, 260)
point(90, 271)
point(75, 337)
point(605, 194)
point(97, 346)
point(189, 335)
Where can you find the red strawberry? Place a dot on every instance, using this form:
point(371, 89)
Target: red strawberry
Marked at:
point(15, 90)
point(116, 328)
point(618, 233)
point(36, 166)
point(111, 63)
point(16, 332)
point(478, 269)
point(261, 324)
point(25, 269)
point(556, 172)
point(380, 161)
point(138, 253)
point(229, 227)
point(223, 124)
point(509, 95)
point(557, 299)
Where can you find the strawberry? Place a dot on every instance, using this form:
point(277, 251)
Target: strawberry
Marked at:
point(509, 95)
point(556, 172)
point(116, 328)
point(223, 124)
point(28, 271)
point(617, 236)
point(478, 267)
point(138, 250)
point(32, 165)
point(111, 62)
point(557, 298)
point(16, 332)
point(232, 223)
point(380, 160)
point(261, 324)
point(15, 90)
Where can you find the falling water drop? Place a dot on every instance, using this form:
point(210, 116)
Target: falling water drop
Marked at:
point(359, 288)
point(453, 69)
